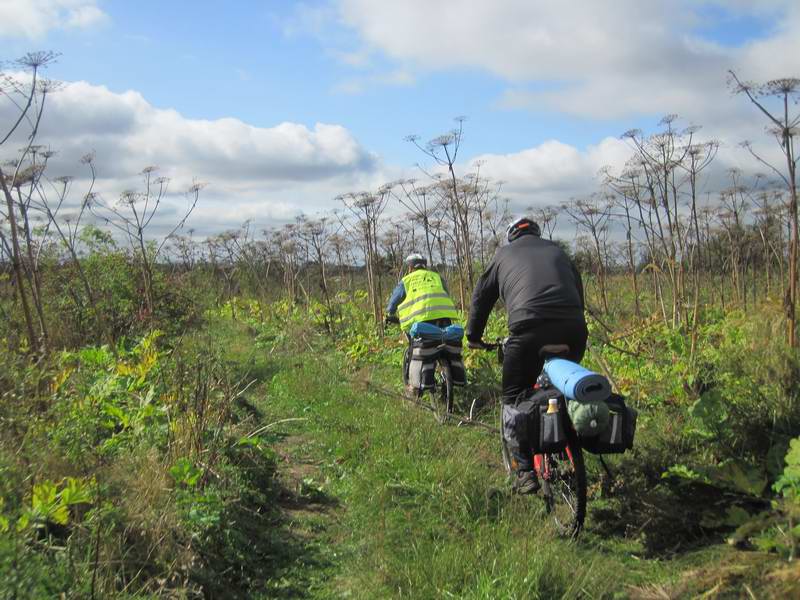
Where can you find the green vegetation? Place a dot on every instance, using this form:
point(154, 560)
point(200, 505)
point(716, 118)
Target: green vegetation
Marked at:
point(427, 513)
point(131, 471)
point(262, 455)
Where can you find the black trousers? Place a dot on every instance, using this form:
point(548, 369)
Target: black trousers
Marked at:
point(522, 364)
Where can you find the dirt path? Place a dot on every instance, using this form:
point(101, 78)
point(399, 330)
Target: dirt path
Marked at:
point(300, 477)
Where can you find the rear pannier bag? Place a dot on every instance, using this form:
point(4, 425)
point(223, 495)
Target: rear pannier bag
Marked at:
point(422, 366)
point(618, 435)
point(544, 432)
point(452, 352)
point(549, 435)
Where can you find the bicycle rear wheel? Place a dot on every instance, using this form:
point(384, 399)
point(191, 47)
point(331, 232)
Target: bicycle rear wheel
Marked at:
point(442, 395)
point(406, 363)
point(563, 478)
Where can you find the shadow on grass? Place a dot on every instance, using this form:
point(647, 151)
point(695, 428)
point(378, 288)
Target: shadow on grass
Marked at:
point(666, 517)
point(257, 549)
point(257, 367)
point(261, 548)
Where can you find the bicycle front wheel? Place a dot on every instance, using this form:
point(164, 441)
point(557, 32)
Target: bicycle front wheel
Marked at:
point(564, 488)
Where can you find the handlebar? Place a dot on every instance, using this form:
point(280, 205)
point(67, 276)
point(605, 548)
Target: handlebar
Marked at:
point(481, 345)
point(498, 344)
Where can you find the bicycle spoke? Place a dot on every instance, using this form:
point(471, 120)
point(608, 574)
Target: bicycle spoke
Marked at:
point(563, 493)
point(440, 402)
point(569, 500)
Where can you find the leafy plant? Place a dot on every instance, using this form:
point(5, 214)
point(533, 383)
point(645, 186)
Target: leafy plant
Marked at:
point(50, 502)
point(185, 473)
point(788, 484)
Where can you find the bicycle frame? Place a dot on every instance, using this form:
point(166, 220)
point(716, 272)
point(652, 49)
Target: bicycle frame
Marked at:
point(541, 466)
point(563, 491)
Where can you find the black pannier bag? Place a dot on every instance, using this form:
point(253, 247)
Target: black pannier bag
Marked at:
point(452, 352)
point(618, 436)
point(422, 366)
point(529, 420)
point(548, 429)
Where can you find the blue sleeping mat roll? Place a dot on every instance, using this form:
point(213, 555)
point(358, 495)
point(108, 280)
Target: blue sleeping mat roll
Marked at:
point(428, 331)
point(577, 382)
point(453, 333)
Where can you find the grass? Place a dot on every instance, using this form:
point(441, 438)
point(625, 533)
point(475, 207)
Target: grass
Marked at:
point(349, 491)
point(426, 511)
point(408, 508)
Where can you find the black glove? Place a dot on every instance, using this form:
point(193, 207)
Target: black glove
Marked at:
point(475, 343)
point(389, 319)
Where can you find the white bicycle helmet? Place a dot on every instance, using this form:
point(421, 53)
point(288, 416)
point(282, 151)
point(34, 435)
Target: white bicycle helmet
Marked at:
point(415, 259)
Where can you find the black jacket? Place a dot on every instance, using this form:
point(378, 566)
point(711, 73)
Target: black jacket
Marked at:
point(536, 281)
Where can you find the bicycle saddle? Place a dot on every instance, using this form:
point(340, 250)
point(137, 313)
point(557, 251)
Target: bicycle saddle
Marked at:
point(554, 350)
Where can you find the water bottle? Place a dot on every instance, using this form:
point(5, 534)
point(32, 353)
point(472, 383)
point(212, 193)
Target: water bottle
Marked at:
point(552, 405)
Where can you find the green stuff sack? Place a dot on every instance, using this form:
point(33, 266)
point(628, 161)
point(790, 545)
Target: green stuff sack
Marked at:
point(588, 418)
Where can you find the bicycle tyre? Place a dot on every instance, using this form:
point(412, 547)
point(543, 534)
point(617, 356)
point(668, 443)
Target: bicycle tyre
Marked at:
point(564, 488)
point(442, 394)
point(406, 363)
point(508, 464)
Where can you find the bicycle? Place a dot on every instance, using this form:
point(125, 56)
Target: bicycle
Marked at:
point(441, 395)
point(562, 474)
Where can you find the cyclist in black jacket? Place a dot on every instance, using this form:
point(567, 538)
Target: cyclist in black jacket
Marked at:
point(543, 295)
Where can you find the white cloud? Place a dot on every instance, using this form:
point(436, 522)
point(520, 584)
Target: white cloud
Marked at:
point(549, 166)
point(598, 60)
point(603, 59)
point(515, 39)
point(552, 172)
point(270, 174)
point(592, 60)
point(34, 18)
point(83, 16)
point(266, 172)
point(129, 133)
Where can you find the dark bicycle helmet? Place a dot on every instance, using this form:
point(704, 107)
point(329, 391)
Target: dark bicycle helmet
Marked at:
point(522, 226)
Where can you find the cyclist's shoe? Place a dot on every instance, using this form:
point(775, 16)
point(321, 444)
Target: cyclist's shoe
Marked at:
point(410, 392)
point(526, 483)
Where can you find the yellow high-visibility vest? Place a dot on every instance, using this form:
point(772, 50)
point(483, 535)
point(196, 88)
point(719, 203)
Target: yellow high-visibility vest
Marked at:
point(425, 299)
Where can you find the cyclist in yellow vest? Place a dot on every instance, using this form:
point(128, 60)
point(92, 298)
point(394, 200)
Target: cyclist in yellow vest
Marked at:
point(420, 295)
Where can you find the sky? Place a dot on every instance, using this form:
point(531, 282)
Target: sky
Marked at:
point(279, 106)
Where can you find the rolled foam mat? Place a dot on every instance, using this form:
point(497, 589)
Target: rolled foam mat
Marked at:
point(577, 382)
point(427, 331)
point(453, 333)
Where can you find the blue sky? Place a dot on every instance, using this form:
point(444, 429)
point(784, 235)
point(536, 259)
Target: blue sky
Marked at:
point(524, 73)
